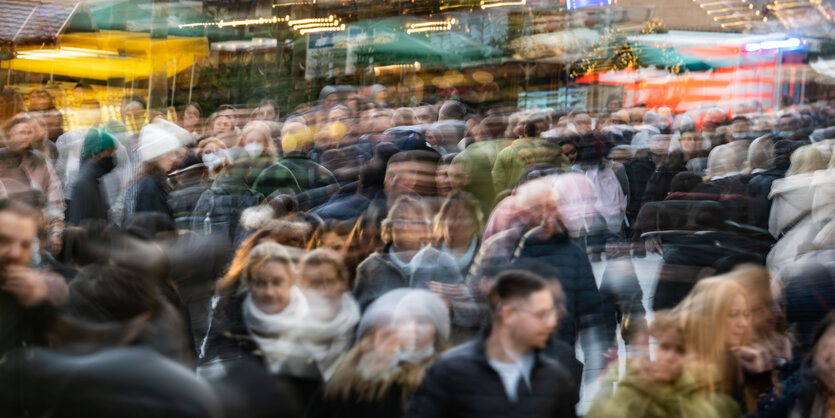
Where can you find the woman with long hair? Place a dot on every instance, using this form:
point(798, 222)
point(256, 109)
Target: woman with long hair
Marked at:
point(716, 320)
point(457, 229)
point(405, 259)
point(399, 336)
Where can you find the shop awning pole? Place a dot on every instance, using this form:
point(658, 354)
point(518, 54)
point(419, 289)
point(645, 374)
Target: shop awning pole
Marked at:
point(174, 82)
point(191, 80)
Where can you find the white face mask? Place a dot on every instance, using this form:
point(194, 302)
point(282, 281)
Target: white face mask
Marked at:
point(374, 367)
point(254, 149)
point(212, 160)
point(416, 356)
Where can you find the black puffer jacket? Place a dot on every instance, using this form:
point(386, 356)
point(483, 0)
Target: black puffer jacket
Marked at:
point(462, 384)
point(88, 200)
point(151, 195)
point(183, 200)
point(758, 189)
point(223, 203)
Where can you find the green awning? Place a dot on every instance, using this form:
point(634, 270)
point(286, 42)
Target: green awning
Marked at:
point(667, 58)
point(136, 16)
point(388, 43)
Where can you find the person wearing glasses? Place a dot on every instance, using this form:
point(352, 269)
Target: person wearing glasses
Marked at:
point(503, 373)
point(405, 259)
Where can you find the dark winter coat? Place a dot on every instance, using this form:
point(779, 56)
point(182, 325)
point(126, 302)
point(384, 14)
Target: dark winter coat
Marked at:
point(583, 302)
point(183, 200)
point(378, 274)
point(809, 296)
point(638, 171)
point(223, 203)
point(230, 347)
point(758, 189)
point(88, 200)
point(118, 382)
point(151, 196)
point(462, 384)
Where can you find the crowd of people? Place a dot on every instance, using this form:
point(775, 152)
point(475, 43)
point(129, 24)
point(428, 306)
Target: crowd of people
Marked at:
point(351, 259)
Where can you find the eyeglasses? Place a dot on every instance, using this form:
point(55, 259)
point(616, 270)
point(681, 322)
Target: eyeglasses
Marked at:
point(542, 315)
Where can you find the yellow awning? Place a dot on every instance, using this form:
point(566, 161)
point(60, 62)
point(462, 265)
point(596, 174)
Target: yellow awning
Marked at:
point(111, 54)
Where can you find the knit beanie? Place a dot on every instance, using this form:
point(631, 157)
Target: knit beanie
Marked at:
point(399, 305)
point(96, 141)
point(161, 137)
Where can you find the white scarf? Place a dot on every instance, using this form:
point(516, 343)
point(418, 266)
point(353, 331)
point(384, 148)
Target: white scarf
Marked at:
point(297, 343)
point(278, 334)
point(327, 340)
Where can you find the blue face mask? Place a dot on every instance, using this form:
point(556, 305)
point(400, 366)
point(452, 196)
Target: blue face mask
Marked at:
point(783, 134)
point(745, 135)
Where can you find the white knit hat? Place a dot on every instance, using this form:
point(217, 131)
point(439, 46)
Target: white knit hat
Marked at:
point(160, 138)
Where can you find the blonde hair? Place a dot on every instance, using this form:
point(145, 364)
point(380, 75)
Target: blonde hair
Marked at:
point(756, 280)
point(806, 159)
point(512, 122)
point(403, 116)
point(262, 254)
point(760, 154)
point(325, 256)
point(212, 140)
point(721, 160)
point(261, 129)
point(468, 202)
point(703, 315)
point(403, 203)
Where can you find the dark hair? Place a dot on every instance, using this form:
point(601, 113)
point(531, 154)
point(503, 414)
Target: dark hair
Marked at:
point(827, 322)
point(194, 105)
point(570, 139)
point(414, 156)
point(532, 128)
point(11, 103)
point(590, 152)
point(106, 293)
point(684, 182)
point(514, 284)
point(453, 109)
point(146, 225)
point(20, 209)
point(806, 401)
point(283, 204)
point(372, 173)
point(42, 93)
point(384, 151)
point(270, 102)
point(114, 306)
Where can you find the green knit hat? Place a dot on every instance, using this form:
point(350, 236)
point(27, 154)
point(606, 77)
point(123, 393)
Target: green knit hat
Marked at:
point(96, 141)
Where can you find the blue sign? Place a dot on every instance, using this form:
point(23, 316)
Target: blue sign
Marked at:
point(321, 40)
point(580, 4)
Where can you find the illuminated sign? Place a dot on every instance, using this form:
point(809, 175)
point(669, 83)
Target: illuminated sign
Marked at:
point(790, 43)
point(580, 4)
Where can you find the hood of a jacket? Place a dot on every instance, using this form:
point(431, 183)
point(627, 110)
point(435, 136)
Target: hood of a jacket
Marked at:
point(792, 200)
